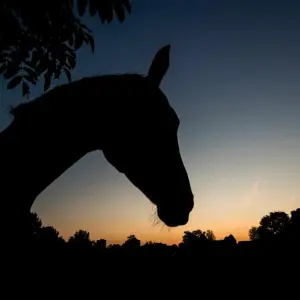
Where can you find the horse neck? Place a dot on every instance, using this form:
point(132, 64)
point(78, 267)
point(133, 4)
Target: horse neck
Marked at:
point(35, 150)
point(55, 133)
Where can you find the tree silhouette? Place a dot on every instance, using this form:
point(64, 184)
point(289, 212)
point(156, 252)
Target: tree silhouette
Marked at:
point(195, 244)
point(193, 235)
point(99, 244)
point(210, 235)
point(276, 224)
point(40, 38)
point(253, 233)
point(35, 223)
point(48, 235)
point(273, 225)
point(81, 238)
point(158, 249)
point(132, 242)
point(114, 248)
point(295, 224)
point(230, 239)
point(192, 239)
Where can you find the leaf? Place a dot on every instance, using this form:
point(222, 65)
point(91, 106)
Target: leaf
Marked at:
point(2, 68)
point(57, 73)
point(72, 61)
point(72, 53)
point(127, 5)
point(30, 72)
point(105, 11)
point(81, 6)
point(35, 57)
point(71, 40)
point(11, 70)
point(15, 57)
point(64, 36)
point(30, 79)
point(61, 59)
point(24, 50)
point(25, 89)
point(2, 58)
point(67, 49)
point(68, 74)
point(14, 82)
point(119, 12)
point(93, 7)
point(85, 28)
point(47, 80)
point(91, 41)
point(42, 65)
point(78, 39)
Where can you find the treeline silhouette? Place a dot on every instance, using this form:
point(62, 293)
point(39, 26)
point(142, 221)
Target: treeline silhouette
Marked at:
point(277, 235)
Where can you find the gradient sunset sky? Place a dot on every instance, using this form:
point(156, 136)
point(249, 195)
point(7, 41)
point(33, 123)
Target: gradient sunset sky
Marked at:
point(234, 81)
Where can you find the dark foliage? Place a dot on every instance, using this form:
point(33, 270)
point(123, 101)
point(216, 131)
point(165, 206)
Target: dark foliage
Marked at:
point(195, 244)
point(276, 225)
point(40, 38)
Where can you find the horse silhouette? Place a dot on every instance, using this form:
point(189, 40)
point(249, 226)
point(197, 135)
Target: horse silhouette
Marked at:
point(126, 116)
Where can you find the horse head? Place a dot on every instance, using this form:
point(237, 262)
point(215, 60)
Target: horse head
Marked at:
point(145, 145)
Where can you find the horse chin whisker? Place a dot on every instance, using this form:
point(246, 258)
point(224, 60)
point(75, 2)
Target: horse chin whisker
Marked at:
point(154, 219)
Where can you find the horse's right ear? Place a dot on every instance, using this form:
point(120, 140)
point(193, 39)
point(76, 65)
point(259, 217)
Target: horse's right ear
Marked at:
point(159, 65)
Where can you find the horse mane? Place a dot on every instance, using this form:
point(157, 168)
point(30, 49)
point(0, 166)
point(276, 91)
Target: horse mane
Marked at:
point(57, 92)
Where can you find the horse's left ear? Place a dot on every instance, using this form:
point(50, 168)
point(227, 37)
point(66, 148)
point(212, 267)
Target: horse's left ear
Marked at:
point(159, 65)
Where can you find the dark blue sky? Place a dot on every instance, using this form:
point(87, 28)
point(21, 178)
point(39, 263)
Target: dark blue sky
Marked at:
point(234, 82)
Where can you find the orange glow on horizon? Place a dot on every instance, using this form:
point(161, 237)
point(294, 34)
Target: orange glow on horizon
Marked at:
point(168, 237)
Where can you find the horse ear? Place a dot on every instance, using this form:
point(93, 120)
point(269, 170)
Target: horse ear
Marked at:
point(159, 65)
